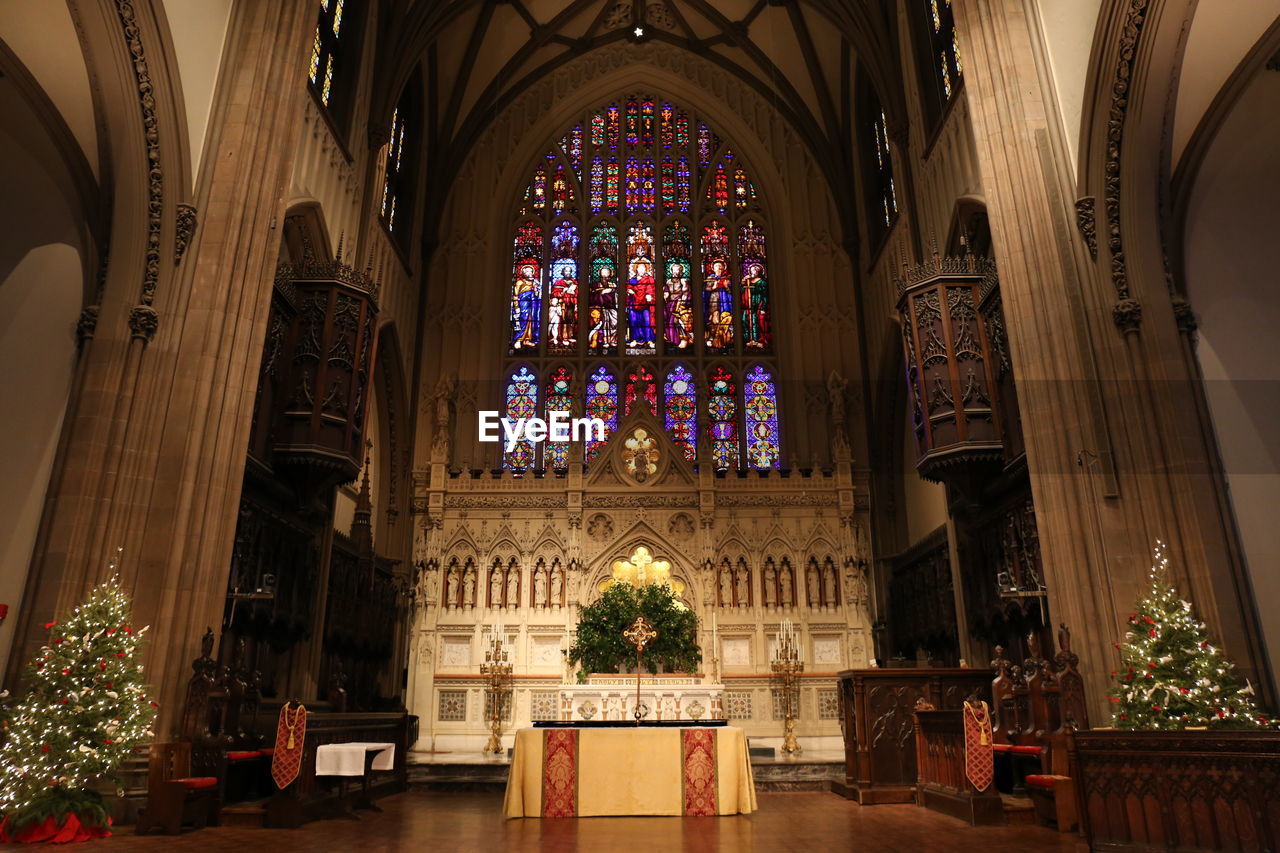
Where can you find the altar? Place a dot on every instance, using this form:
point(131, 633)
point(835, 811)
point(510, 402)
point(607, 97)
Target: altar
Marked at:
point(662, 697)
point(573, 771)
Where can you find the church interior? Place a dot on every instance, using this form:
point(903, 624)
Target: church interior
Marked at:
point(844, 418)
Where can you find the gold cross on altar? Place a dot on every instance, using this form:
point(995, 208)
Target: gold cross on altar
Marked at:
point(640, 633)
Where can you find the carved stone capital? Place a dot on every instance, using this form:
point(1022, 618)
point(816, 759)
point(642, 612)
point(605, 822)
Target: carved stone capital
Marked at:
point(184, 228)
point(379, 135)
point(1185, 317)
point(1127, 314)
point(87, 324)
point(143, 322)
point(1086, 221)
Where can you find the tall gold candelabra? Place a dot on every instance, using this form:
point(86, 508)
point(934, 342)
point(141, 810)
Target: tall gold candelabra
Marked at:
point(786, 667)
point(497, 668)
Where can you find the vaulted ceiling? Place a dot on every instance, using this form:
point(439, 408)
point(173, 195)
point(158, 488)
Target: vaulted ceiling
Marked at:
point(477, 55)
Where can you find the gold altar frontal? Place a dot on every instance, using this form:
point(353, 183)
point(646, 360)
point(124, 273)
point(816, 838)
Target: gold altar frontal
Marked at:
point(592, 772)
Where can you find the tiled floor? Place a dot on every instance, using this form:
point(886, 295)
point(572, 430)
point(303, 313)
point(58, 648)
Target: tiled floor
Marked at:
point(801, 822)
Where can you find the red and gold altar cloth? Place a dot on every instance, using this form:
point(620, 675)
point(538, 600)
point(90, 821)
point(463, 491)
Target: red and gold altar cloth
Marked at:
point(570, 772)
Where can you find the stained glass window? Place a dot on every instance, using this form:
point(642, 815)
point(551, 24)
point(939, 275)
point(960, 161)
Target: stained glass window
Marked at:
point(717, 288)
point(562, 294)
point(722, 413)
point(761, 405)
point(668, 184)
point(602, 403)
point(398, 165)
point(681, 410)
point(718, 189)
point(612, 186)
point(602, 304)
point(940, 33)
point(633, 123)
point(641, 386)
point(677, 297)
point(526, 287)
point(642, 301)
point(329, 51)
point(559, 398)
point(884, 163)
point(571, 145)
point(606, 270)
point(756, 328)
point(522, 402)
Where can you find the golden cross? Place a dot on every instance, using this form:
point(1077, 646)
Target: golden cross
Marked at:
point(640, 633)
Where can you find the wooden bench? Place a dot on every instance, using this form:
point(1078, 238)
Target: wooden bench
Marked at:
point(178, 793)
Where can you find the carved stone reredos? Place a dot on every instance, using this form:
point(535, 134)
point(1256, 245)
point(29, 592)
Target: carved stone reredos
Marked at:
point(614, 464)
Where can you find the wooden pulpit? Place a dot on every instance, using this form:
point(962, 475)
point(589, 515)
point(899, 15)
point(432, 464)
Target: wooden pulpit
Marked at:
point(877, 709)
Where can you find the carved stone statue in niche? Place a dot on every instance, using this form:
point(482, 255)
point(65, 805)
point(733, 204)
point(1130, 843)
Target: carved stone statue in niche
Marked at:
point(429, 586)
point(495, 588)
point(513, 587)
point(557, 586)
point(540, 587)
point(740, 584)
point(469, 588)
point(836, 385)
point(856, 586)
point(726, 590)
point(451, 589)
point(770, 585)
point(811, 581)
point(785, 585)
point(443, 413)
point(829, 585)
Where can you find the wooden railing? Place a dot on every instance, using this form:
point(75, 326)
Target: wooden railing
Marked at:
point(941, 782)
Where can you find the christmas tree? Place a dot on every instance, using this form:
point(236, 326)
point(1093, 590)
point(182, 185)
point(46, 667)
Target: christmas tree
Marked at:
point(1172, 677)
point(86, 709)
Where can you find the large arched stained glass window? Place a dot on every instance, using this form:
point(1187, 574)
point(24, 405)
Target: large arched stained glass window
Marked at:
point(602, 403)
point(559, 398)
point(761, 405)
point(522, 402)
point(640, 267)
point(682, 410)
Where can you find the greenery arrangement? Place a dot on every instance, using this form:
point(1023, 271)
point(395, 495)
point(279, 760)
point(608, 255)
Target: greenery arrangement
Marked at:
point(87, 708)
point(600, 646)
point(1173, 677)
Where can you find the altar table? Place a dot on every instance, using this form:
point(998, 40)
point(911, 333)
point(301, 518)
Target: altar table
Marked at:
point(578, 772)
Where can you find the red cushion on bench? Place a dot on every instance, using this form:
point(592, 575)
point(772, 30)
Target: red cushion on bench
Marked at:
point(195, 783)
point(269, 751)
point(1045, 781)
point(243, 755)
point(1002, 747)
point(1027, 750)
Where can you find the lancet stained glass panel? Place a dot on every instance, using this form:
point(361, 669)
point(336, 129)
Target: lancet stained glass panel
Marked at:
point(677, 296)
point(756, 327)
point(717, 288)
point(761, 404)
point(602, 403)
point(722, 412)
point(559, 398)
point(680, 419)
point(526, 288)
point(602, 314)
point(562, 294)
point(522, 402)
point(642, 301)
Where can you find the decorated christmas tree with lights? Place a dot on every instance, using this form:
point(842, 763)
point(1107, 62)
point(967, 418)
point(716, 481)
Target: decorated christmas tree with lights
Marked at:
point(86, 709)
point(1172, 676)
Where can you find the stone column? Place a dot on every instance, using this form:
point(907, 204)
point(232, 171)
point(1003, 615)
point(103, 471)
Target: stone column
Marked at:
point(155, 444)
point(1105, 477)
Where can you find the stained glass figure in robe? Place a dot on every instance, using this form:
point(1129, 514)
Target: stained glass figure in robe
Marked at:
point(717, 288)
point(761, 406)
point(641, 386)
point(681, 409)
point(722, 410)
point(677, 294)
point(559, 398)
point(526, 288)
point(562, 295)
point(602, 403)
point(522, 402)
point(641, 290)
point(602, 317)
point(756, 331)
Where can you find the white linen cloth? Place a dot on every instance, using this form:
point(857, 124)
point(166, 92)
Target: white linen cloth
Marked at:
point(347, 759)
